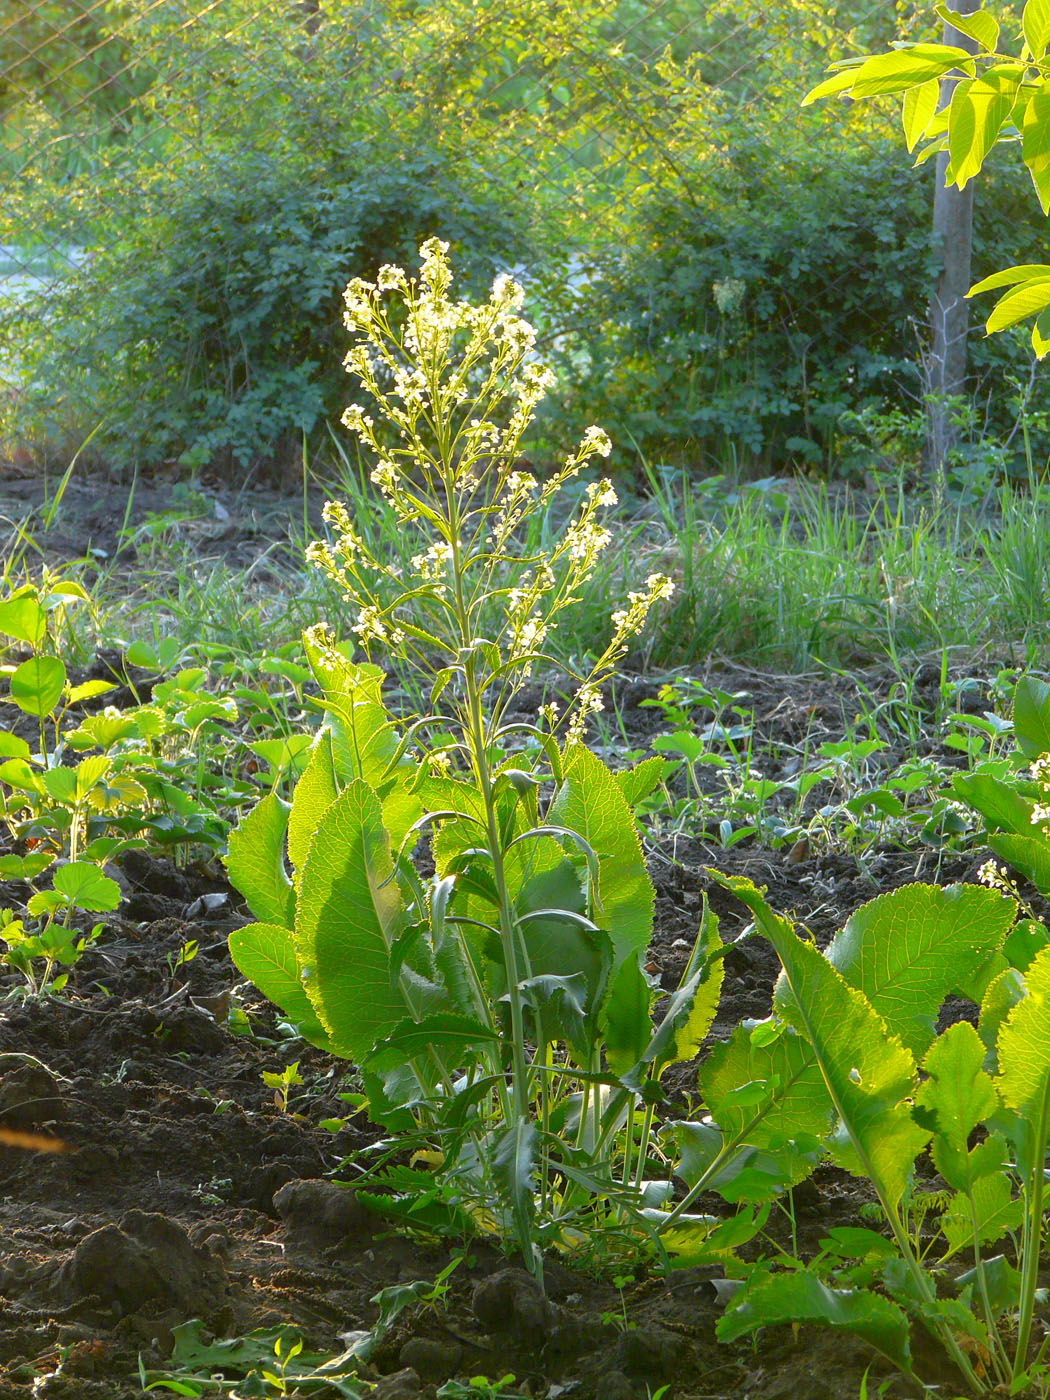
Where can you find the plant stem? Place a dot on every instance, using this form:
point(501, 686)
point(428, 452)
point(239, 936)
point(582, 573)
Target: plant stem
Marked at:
point(1033, 1234)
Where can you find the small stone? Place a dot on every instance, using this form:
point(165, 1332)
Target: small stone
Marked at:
point(434, 1360)
point(512, 1301)
point(399, 1385)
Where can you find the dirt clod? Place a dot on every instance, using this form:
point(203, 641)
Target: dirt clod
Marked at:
point(512, 1301)
point(321, 1211)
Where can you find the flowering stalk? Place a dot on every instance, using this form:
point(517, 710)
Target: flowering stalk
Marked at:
point(455, 388)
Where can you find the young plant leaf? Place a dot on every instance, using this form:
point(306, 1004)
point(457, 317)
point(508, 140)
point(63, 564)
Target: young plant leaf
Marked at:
point(37, 685)
point(85, 886)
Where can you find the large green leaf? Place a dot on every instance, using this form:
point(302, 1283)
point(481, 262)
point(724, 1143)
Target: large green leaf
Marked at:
point(959, 1095)
point(255, 862)
point(1031, 715)
point(1002, 806)
point(978, 112)
point(349, 912)
point(590, 802)
point(868, 1072)
point(800, 1297)
point(1024, 1052)
point(1027, 299)
point(906, 67)
point(917, 110)
point(1035, 142)
point(790, 1108)
point(1035, 21)
point(981, 25)
point(265, 953)
point(314, 793)
point(908, 949)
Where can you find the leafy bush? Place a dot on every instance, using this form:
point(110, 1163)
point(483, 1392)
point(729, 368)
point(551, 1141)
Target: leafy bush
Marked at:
point(202, 327)
point(782, 289)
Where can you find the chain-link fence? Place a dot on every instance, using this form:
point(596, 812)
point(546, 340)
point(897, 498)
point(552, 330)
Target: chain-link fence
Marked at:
point(718, 274)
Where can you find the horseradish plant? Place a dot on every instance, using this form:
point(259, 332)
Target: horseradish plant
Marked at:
point(499, 1008)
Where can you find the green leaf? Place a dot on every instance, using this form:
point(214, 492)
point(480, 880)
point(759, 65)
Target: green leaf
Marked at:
point(1026, 938)
point(1028, 854)
point(448, 1034)
point(999, 803)
point(60, 784)
point(1023, 1049)
point(590, 802)
point(513, 1162)
point(638, 782)
point(839, 82)
point(978, 111)
point(1028, 299)
point(984, 1212)
point(908, 949)
point(265, 954)
point(907, 67)
point(687, 1019)
point(1035, 22)
point(255, 862)
point(26, 867)
point(23, 619)
point(626, 1019)
point(314, 793)
point(349, 912)
point(13, 746)
point(959, 1095)
point(796, 1109)
point(869, 1073)
point(1031, 716)
point(979, 24)
point(1035, 142)
point(37, 685)
point(1009, 277)
point(88, 690)
point(917, 110)
point(85, 887)
point(800, 1297)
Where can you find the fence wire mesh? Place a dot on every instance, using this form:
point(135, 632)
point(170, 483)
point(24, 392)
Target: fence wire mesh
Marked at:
point(181, 180)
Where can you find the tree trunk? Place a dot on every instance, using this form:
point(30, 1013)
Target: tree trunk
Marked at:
point(949, 311)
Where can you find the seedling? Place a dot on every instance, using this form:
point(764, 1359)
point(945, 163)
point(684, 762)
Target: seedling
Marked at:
point(283, 1082)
